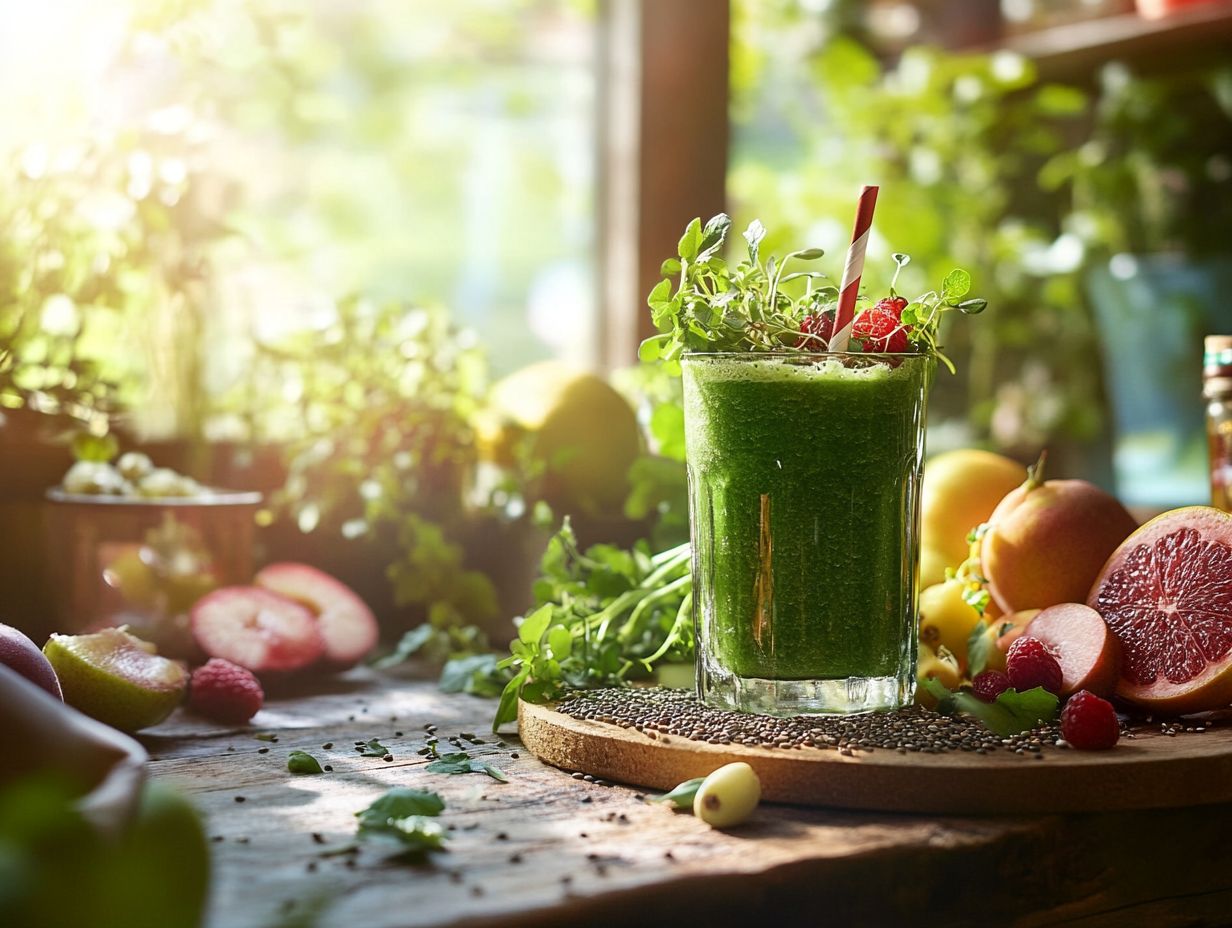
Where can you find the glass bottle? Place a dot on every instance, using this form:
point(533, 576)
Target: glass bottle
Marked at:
point(1217, 390)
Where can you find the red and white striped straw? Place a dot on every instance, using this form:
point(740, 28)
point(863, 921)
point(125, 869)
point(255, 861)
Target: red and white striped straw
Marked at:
point(849, 288)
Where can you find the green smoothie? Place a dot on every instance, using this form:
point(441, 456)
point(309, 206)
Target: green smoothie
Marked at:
point(804, 476)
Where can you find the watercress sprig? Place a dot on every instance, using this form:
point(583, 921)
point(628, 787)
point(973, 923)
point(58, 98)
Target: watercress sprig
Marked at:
point(703, 303)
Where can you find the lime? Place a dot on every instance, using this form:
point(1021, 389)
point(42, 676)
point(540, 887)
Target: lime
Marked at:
point(113, 677)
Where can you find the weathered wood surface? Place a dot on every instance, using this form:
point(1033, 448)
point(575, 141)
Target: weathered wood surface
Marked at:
point(1153, 770)
point(546, 849)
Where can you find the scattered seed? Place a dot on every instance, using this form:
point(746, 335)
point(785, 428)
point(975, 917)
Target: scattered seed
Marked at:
point(262, 750)
point(328, 768)
point(239, 799)
point(327, 745)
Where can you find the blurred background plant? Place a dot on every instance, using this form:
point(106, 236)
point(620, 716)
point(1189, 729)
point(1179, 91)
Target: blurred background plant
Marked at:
point(194, 185)
point(955, 140)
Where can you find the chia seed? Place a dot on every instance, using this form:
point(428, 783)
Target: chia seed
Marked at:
point(656, 712)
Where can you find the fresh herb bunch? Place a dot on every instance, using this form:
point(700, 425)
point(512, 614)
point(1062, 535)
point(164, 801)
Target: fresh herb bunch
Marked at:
point(704, 304)
point(602, 615)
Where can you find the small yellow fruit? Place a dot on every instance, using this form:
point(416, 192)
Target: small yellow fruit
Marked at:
point(946, 620)
point(961, 489)
point(941, 666)
point(933, 564)
point(574, 425)
point(728, 796)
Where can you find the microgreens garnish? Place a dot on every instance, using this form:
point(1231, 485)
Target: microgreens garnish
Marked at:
point(705, 304)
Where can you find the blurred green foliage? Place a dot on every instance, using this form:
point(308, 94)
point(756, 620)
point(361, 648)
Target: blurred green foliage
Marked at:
point(1155, 173)
point(955, 141)
point(57, 871)
point(384, 398)
point(102, 275)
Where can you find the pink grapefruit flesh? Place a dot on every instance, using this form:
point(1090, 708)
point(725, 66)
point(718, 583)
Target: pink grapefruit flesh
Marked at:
point(1086, 649)
point(348, 627)
point(1166, 593)
point(256, 629)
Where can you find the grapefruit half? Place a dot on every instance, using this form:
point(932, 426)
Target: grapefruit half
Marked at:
point(1166, 593)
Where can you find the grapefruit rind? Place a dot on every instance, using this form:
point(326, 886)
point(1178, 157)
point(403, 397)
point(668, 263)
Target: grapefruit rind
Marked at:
point(1210, 688)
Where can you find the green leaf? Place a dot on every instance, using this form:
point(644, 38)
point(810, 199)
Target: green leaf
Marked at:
point(1011, 714)
point(955, 285)
point(754, 235)
point(401, 802)
point(477, 674)
point(670, 267)
point(461, 762)
point(809, 254)
point(977, 649)
point(535, 624)
point(300, 762)
point(409, 645)
point(651, 349)
point(560, 640)
point(661, 293)
point(690, 242)
point(682, 795)
point(373, 748)
point(713, 236)
point(972, 307)
point(507, 709)
point(416, 833)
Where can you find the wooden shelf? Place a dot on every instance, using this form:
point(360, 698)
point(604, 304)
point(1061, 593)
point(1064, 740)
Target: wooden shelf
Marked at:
point(1071, 50)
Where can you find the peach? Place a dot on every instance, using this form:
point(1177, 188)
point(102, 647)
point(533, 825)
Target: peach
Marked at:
point(1048, 540)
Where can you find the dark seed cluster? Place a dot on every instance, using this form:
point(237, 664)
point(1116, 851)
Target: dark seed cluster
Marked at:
point(663, 713)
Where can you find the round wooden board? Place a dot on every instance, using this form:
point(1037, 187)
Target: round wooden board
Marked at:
point(1150, 771)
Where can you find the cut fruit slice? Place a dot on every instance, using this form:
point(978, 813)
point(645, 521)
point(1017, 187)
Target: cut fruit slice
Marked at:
point(348, 626)
point(1086, 649)
point(113, 677)
point(1166, 593)
point(257, 629)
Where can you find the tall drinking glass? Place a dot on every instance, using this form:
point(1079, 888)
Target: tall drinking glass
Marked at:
point(804, 485)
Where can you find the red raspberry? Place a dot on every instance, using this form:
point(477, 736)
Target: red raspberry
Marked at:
point(815, 331)
point(1089, 723)
point(225, 692)
point(990, 684)
point(1029, 664)
point(881, 329)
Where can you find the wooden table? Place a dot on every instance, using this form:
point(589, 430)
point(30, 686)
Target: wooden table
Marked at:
point(546, 849)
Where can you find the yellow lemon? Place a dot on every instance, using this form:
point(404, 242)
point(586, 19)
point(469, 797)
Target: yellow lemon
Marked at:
point(576, 427)
point(961, 489)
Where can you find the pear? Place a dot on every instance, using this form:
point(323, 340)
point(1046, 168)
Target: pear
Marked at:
point(1047, 541)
